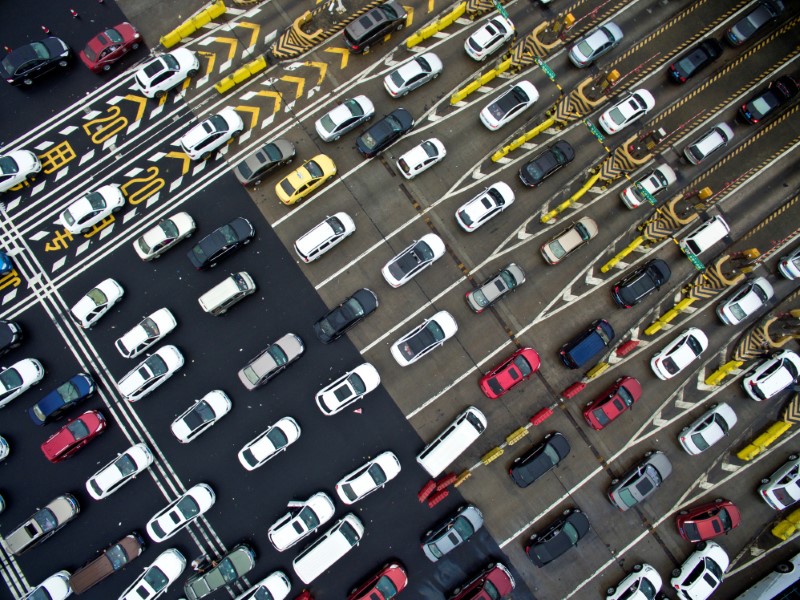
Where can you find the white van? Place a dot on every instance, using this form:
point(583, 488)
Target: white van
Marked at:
point(316, 242)
point(783, 576)
point(705, 236)
point(225, 294)
point(326, 550)
point(442, 451)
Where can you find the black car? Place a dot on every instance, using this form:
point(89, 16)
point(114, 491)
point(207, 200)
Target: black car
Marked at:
point(221, 242)
point(69, 394)
point(697, 58)
point(777, 93)
point(373, 25)
point(350, 312)
point(384, 132)
point(633, 288)
point(10, 336)
point(562, 534)
point(762, 15)
point(26, 63)
point(264, 160)
point(547, 163)
point(539, 460)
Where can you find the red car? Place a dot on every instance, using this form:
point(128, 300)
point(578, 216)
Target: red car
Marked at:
point(108, 47)
point(708, 520)
point(613, 402)
point(385, 584)
point(515, 369)
point(494, 582)
point(74, 435)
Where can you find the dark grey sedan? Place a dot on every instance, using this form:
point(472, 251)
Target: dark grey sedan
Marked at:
point(540, 459)
point(349, 313)
point(221, 242)
point(253, 168)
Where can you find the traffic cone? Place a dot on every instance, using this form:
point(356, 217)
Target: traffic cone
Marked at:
point(45, 29)
point(73, 12)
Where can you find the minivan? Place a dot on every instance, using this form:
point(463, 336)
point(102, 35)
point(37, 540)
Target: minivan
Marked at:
point(373, 25)
point(228, 292)
point(583, 348)
point(316, 242)
point(319, 556)
point(715, 138)
point(111, 560)
point(705, 236)
point(459, 435)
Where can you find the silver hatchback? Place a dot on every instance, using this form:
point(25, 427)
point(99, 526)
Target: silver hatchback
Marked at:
point(452, 533)
point(641, 481)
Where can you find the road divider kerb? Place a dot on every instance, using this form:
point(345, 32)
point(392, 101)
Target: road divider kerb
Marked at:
point(192, 24)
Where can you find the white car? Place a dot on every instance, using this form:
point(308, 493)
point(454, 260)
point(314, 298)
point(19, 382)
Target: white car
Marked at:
point(302, 520)
point(425, 337)
point(782, 489)
point(147, 332)
point(119, 471)
point(345, 117)
point(489, 38)
point(17, 378)
point(212, 133)
point(701, 573)
point(55, 587)
point(269, 443)
point(5, 449)
point(642, 584)
point(421, 158)
point(510, 104)
point(707, 429)
point(150, 373)
point(16, 167)
point(180, 512)
point(166, 71)
point(97, 302)
point(595, 44)
point(789, 265)
point(367, 478)
point(348, 389)
point(156, 577)
point(626, 111)
point(486, 205)
point(412, 74)
point(419, 255)
point(88, 210)
point(747, 300)
point(772, 375)
point(275, 586)
point(654, 182)
point(201, 415)
point(157, 240)
point(679, 353)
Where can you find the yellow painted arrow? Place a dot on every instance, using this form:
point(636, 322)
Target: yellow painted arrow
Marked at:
point(253, 110)
point(323, 68)
point(345, 55)
point(276, 96)
point(141, 101)
point(181, 156)
point(209, 67)
point(255, 27)
point(232, 43)
point(299, 81)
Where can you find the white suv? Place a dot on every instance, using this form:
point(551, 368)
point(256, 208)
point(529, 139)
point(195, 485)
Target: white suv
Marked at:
point(212, 133)
point(782, 489)
point(701, 573)
point(772, 376)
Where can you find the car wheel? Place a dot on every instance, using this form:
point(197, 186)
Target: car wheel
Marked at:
point(237, 133)
point(676, 573)
point(784, 567)
point(684, 512)
point(648, 453)
point(192, 73)
point(135, 46)
point(106, 67)
point(793, 457)
point(62, 63)
point(206, 156)
point(337, 138)
point(701, 546)
point(365, 49)
point(764, 481)
point(404, 93)
point(614, 481)
point(160, 94)
point(116, 209)
point(637, 568)
point(610, 591)
point(27, 81)
point(718, 500)
point(400, 26)
point(427, 533)
point(85, 230)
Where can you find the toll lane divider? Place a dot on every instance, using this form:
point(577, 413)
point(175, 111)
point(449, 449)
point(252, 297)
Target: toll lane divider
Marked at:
point(437, 26)
point(192, 24)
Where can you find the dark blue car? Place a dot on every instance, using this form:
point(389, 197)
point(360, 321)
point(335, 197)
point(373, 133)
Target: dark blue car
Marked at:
point(6, 266)
point(61, 399)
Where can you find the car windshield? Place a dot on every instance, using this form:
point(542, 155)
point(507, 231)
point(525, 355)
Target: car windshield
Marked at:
point(430, 149)
point(150, 328)
point(8, 166)
point(125, 465)
point(78, 429)
point(117, 557)
point(551, 453)
point(625, 395)
point(188, 507)
point(394, 123)
point(277, 437)
point(714, 568)
point(97, 296)
point(424, 339)
point(156, 365)
point(700, 441)
point(385, 588)
point(725, 519)
point(349, 533)
point(627, 497)
point(40, 594)
point(278, 355)
point(308, 517)
point(10, 379)
point(571, 533)
point(601, 416)
point(616, 116)
point(694, 344)
point(557, 249)
point(523, 365)
point(156, 579)
point(46, 519)
point(228, 234)
point(585, 48)
point(463, 527)
point(169, 229)
point(480, 298)
point(201, 413)
point(96, 201)
point(314, 169)
point(357, 383)
point(68, 392)
point(377, 474)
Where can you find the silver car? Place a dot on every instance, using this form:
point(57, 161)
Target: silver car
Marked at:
point(641, 481)
point(595, 44)
point(42, 524)
point(271, 360)
point(508, 279)
point(452, 533)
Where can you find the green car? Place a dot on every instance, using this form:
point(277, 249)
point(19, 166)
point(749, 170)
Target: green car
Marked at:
point(236, 563)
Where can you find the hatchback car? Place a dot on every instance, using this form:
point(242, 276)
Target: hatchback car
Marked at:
point(303, 519)
point(348, 314)
point(695, 59)
point(701, 573)
point(653, 182)
point(384, 132)
point(419, 255)
point(498, 285)
point(595, 44)
point(66, 396)
point(42, 524)
point(221, 242)
point(609, 405)
point(208, 136)
point(782, 489)
point(347, 389)
point(562, 534)
point(765, 13)
point(112, 559)
point(16, 167)
point(747, 300)
point(264, 160)
point(489, 38)
point(73, 436)
point(271, 360)
point(180, 512)
point(425, 337)
point(109, 46)
point(166, 71)
point(30, 61)
point(546, 163)
point(55, 587)
point(640, 283)
point(569, 240)
point(147, 332)
point(201, 415)
point(542, 458)
point(679, 353)
point(495, 581)
point(412, 74)
point(711, 141)
point(518, 367)
point(18, 378)
point(304, 180)
point(156, 577)
point(239, 561)
point(369, 477)
point(90, 209)
point(771, 376)
point(708, 520)
point(269, 443)
point(324, 236)
point(10, 336)
point(150, 373)
point(509, 105)
point(453, 532)
point(163, 236)
point(708, 428)
point(421, 158)
point(374, 25)
point(386, 584)
point(485, 206)
point(122, 469)
point(769, 100)
point(626, 111)
point(640, 482)
point(97, 302)
point(343, 118)
point(275, 586)
point(644, 583)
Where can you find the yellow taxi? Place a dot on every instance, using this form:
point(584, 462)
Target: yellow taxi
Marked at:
point(305, 179)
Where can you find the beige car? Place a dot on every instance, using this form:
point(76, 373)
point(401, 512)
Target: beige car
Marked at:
point(271, 360)
point(42, 524)
point(569, 240)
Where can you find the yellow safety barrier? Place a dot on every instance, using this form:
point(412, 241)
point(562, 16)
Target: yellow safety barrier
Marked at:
point(462, 477)
point(717, 376)
point(436, 26)
point(527, 136)
point(568, 202)
point(481, 81)
point(684, 304)
point(622, 254)
point(787, 527)
point(763, 441)
point(241, 74)
point(493, 454)
point(192, 24)
point(654, 327)
point(515, 436)
point(170, 39)
point(598, 369)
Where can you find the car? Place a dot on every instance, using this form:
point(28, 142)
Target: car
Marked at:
point(18, 378)
point(6, 265)
point(569, 240)
point(55, 587)
point(486, 205)
point(769, 100)
point(425, 337)
point(534, 172)
point(495, 581)
point(711, 141)
point(347, 389)
point(789, 265)
point(541, 458)
point(107, 47)
point(614, 401)
point(707, 520)
point(644, 583)
point(73, 436)
point(515, 369)
point(112, 559)
point(695, 59)
point(10, 336)
point(201, 415)
point(42, 524)
point(489, 37)
point(221, 242)
point(16, 167)
point(210, 134)
point(275, 586)
point(97, 302)
point(421, 157)
point(747, 300)
point(306, 179)
point(626, 111)
point(120, 470)
point(640, 283)
point(454, 531)
point(150, 373)
point(156, 577)
point(765, 13)
point(372, 26)
point(147, 332)
point(594, 44)
point(770, 376)
point(348, 314)
point(30, 61)
point(701, 573)
point(562, 534)
point(640, 482)
point(654, 183)
point(707, 429)
point(386, 584)
point(587, 344)
point(264, 160)
point(782, 489)
point(506, 280)
point(508, 105)
point(5, 450)
point(344, 118)
point(412, 74)
point(324, 236)
point(52, 407)
point(303, 519)
point(417, 256)
point(385, 132)
point(92, 208)
point(166, 234)
point(165, 72)
point(679, 353)
point(180, 512)
point(239, 561)
point(269, 443)
point(371, 476)
point(271, 360)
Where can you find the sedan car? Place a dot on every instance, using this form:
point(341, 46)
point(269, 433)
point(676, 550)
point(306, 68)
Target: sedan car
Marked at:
point(561, 535)
point(609, 405)
point(679, 353)
point(42, 524)
point(367, 478)
point(383, 585)
point(97, 302)
point(109, 46)
point(626, 111)
point(771, 376)
point(304, 180)
point(769, 100)
point(69, 394)
point(166, 71)
point(210, 134)
point(384, 132)
point(343, 118)
point(640, 482)
point(239, 561)
point(782, 489)
point(180, 512)
point(275, 586)
point(412, 74)
point(765, 13)
point(374, 25)
point(271, 360)
point(347, 389)
point(747, 300)
point(453, 532)
point(518, 367)
point(157, 577)
point(495, 581)
point(348, 314)
point(701, 573)
point(73, 436)
point(90, 209)
point(546, 163)
point(489, 38)
point(147, 332)
point(708, 520)
point(695, 59)
point(119, 471)
point(542, 458)
point(16, 167)
point(569, 240)
point(642, 584)
point(221, 242)
point(10, 336)
point(303, 519)
point(789, 265)
point(509, 105)
point(708, 428)
point(265, 159)
point(595, 44)
point(486, 205)
point(490, 291)
point(150, 373)
point(30, 61)
point(419, 255)
point(160, 238)
point(201, 415)
point(269, 443)
point(640, 283)
point(653, 182)
point(425, 337)
point(17, 378)
point(55, 587)
point(421, 158)
point(114, 558)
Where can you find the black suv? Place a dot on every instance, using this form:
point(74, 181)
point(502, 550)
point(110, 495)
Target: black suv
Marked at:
point(548, 162)
point(373, 25)
point(778, 93)
point(642, 282)
point(384, 132)
point(699, 57)
point(28, 62)
point(561, 535)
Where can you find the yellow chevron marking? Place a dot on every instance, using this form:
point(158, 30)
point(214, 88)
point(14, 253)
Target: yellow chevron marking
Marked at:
point(300, 82)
